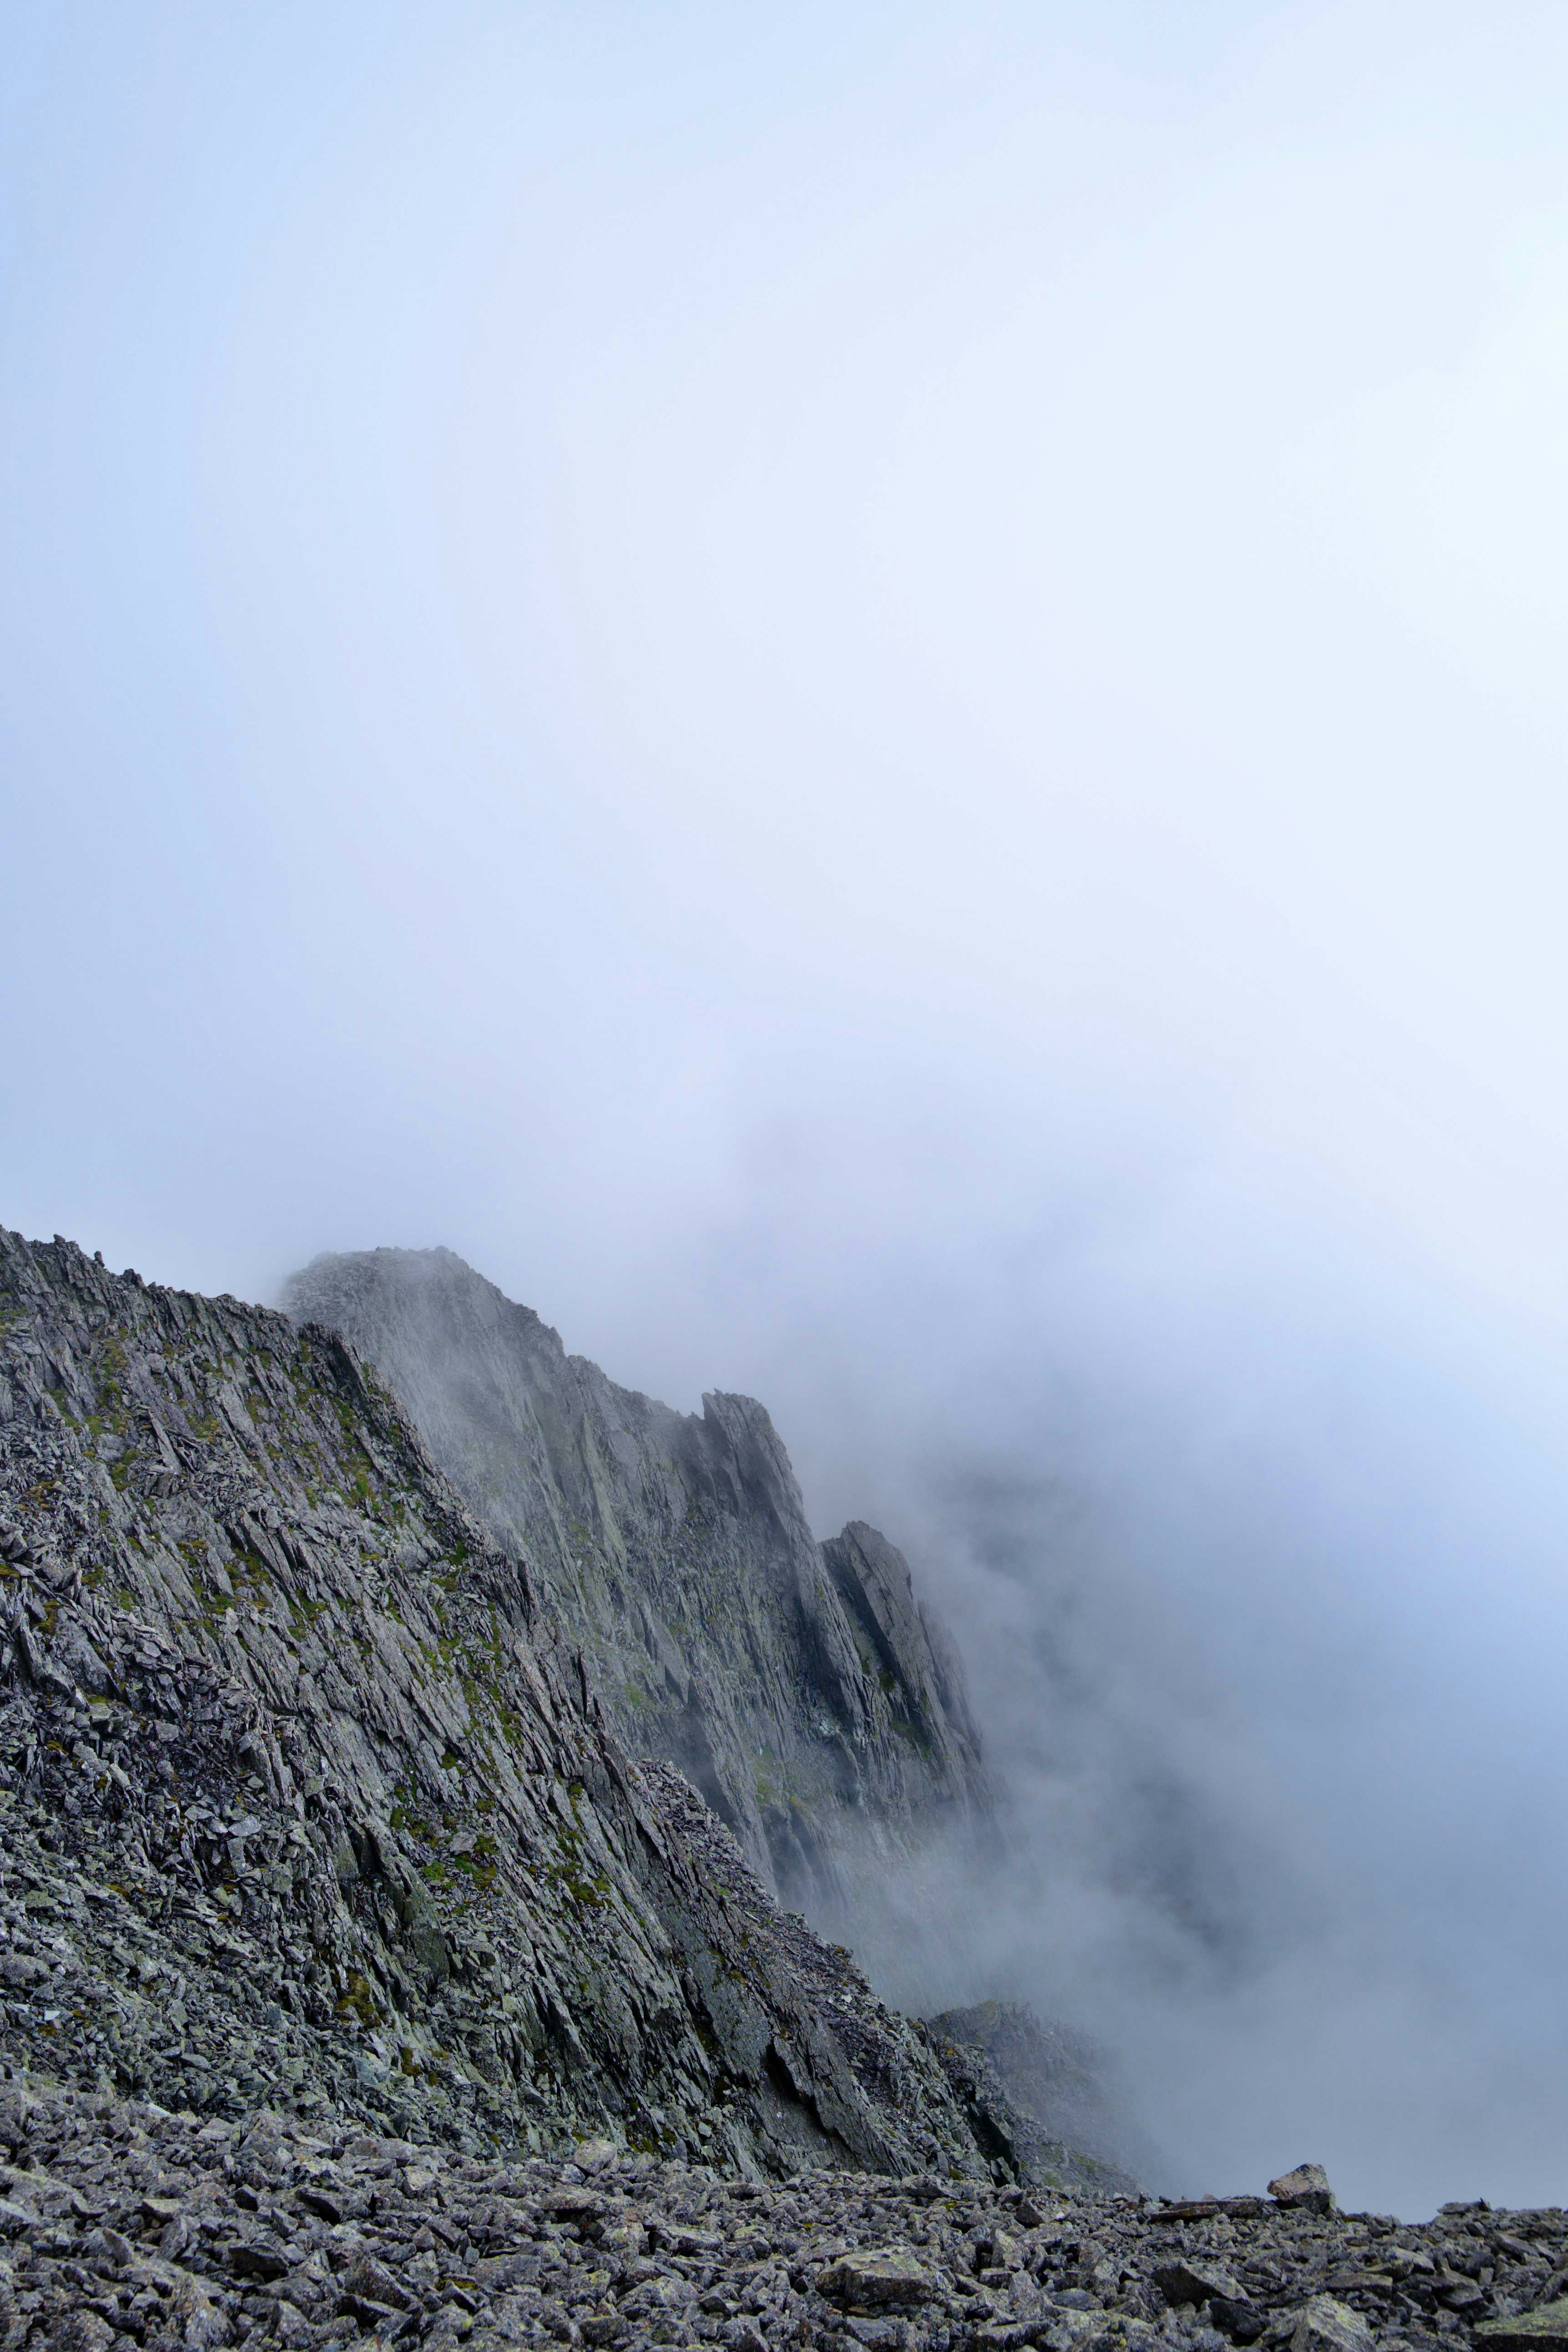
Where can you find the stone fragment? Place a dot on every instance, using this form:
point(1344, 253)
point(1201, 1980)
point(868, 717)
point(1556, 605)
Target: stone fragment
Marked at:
point(1324, 2324)
point(322, 2203)
point(577, 2205)
point(195, 2322)
point(1306, 2189)
point(80, 2331)
point(1234, 2316)
point(371, 2281)
point(1461, 2293)
point(890, 2276)
point(260, 2257)
point(1196, 2282)
point(1544, 2329)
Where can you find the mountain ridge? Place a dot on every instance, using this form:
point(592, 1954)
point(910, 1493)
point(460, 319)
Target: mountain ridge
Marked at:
point(801, 1686)
point(325, 1795)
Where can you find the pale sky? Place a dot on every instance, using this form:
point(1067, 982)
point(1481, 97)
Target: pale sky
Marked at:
point(874, 699)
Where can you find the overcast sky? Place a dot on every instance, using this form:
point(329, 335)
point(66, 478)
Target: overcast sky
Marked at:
point(874, 699)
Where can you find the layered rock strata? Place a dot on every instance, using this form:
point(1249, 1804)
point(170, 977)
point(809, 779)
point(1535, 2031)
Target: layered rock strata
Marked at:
point(798, 1685)
point(308, 1796)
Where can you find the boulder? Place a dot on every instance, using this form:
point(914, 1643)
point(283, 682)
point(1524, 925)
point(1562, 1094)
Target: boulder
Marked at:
point(1326, 2325)
point(876, 2279)
point(1306, 2189)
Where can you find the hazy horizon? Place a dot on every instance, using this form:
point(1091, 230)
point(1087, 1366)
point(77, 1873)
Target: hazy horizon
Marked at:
point(875, 705)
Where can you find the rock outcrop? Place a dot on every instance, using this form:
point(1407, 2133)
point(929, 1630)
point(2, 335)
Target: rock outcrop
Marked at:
point(308, 1796)
point(1071, 2121)
point(798, 1685)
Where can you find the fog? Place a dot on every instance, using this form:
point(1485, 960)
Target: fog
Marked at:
point(873, 699)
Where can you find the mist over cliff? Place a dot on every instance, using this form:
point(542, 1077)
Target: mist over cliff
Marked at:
point(1252, 1575)
point(873, 701)
point(1252, 1553)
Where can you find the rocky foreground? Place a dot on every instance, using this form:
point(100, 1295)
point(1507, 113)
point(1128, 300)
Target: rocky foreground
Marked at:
point(125, 2224)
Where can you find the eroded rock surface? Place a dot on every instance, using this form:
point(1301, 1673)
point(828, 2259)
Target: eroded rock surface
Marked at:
point(308, 1795)
point(798, 1685)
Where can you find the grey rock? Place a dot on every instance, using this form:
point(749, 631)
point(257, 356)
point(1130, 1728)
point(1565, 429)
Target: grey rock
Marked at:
point(1072, 2122)
point(1544, 2329)
point(799, 1686)
point(1327, 2326)
point(1237, 2317)
point(1196, 2282)
point(80, 2331)
point(877, 2276)
point(637, 2103)
point(1306, 2187)
point(488, 1920)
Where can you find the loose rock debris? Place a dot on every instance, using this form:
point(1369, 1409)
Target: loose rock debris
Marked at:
point(125, 2225)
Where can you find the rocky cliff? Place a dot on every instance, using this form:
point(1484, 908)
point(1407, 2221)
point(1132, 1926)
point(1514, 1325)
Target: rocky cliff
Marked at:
point(308, 1798)
point(797, 1685)
point(334, 1915)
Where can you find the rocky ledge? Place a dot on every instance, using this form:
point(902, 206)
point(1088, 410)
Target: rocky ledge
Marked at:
point(127, 2225)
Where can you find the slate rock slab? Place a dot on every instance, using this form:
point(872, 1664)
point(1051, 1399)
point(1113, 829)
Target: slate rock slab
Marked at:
point(1544, 2329)
point(1327, 2324)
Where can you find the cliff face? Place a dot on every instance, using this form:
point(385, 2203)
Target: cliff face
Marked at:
point(307, 1796)
point(797, 1685)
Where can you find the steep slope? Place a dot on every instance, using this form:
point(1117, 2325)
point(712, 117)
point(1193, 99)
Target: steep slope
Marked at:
point(798, 1685)
point(1071, 2121)
point(307, 1796)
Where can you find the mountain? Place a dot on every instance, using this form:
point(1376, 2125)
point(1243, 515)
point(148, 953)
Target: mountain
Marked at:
point(309, 1798)
point(799, 1686)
